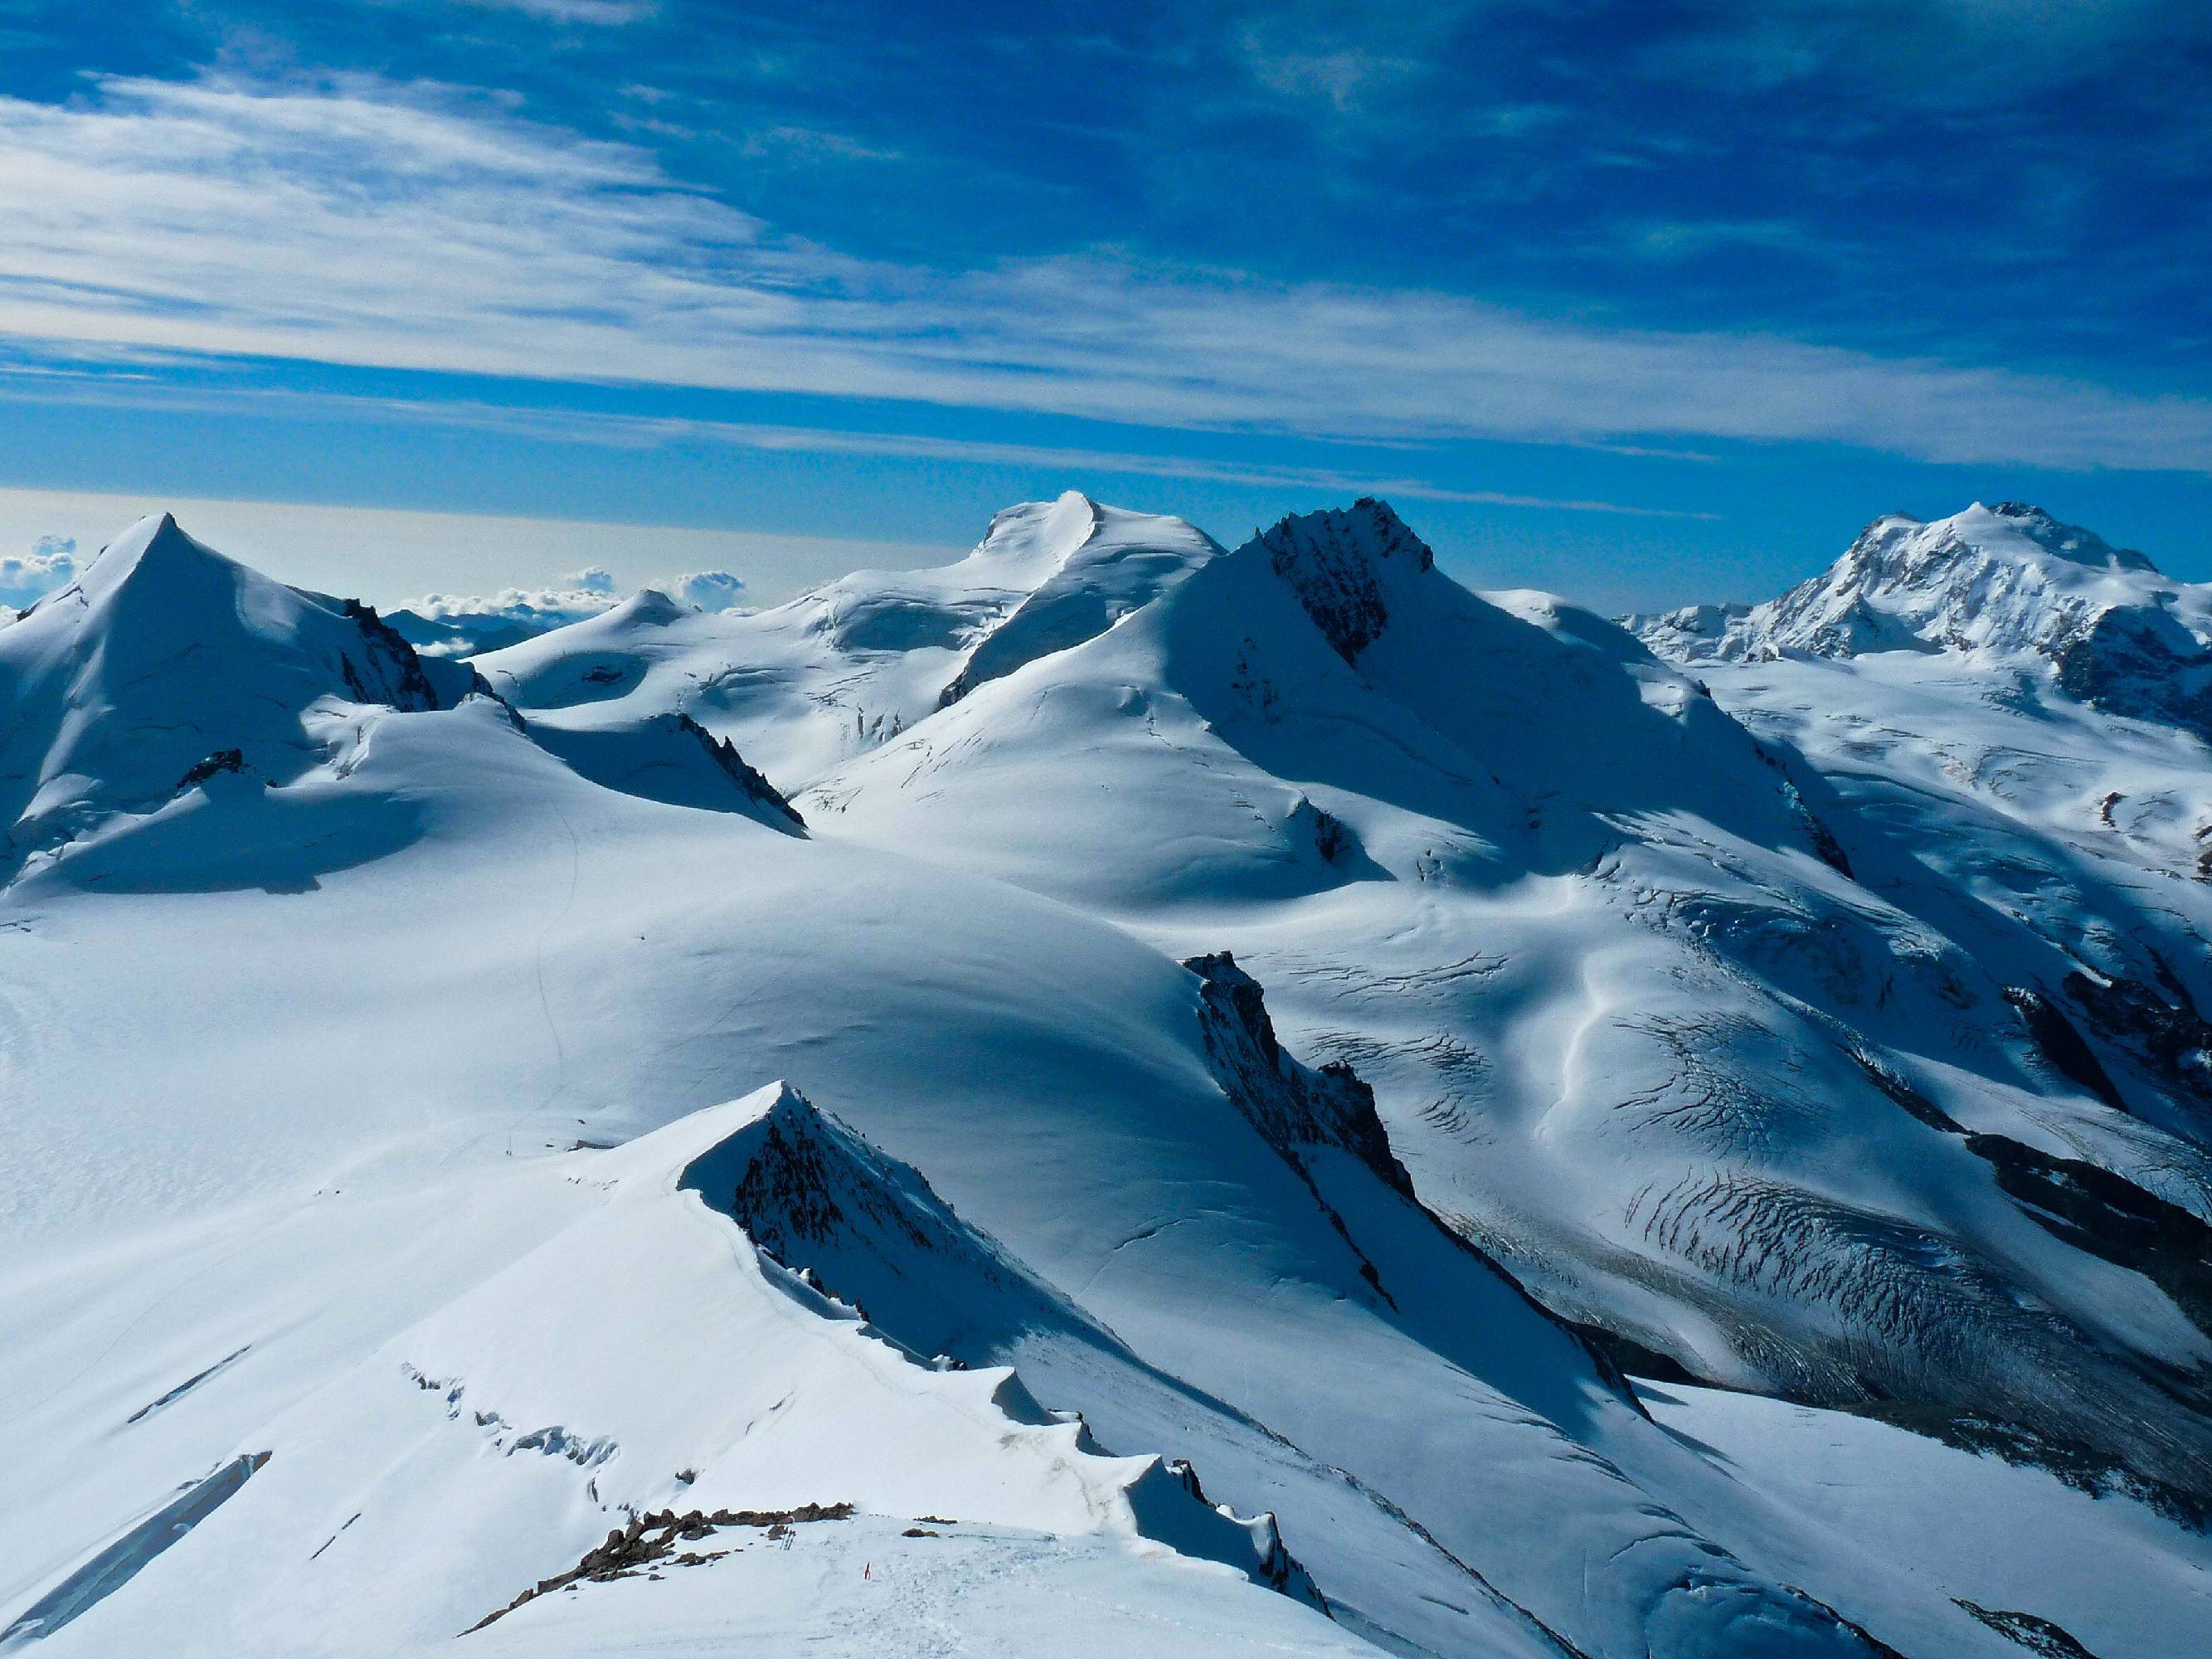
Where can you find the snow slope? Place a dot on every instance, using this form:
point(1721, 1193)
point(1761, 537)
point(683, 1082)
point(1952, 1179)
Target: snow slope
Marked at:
point(476, 1226)
point(1793, 1128)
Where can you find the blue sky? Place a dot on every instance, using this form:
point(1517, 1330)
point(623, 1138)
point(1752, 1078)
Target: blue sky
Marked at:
point(1643, 302)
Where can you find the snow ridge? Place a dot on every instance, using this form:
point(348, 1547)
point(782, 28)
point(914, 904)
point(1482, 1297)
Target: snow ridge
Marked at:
point(1104, 563)
point(806, 1188)
point(1831, 1027)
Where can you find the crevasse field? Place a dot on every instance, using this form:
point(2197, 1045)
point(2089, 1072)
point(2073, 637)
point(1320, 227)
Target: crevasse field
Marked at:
point(1115, 1097)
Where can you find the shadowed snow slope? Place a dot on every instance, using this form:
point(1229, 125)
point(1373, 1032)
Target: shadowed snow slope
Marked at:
point(444, 1230)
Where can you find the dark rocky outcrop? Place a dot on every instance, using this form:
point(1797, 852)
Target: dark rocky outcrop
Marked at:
point(390, 672)
point(2032, 1630)
point(223, 760)
point(1336, 562)
point(2108, 1216)
point(755, 788)
point(1292, 1105)
point(2141, 663)
point(2171, 1041)
point(2062, 1045)
point(649, 1539)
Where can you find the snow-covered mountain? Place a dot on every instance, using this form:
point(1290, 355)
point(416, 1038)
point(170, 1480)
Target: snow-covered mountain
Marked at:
point(839, 670)
point(1179, 1102)
point(1992, 584)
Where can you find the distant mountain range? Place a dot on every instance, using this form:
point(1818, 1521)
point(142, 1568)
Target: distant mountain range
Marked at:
point(1116, 1096)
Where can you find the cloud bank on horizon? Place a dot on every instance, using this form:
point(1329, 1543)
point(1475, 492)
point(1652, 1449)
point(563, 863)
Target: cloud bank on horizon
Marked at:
point(1290, 248)
point(457, 625)
point(26, 577)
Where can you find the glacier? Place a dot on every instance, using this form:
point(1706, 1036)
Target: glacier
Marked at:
point(1120, 1096)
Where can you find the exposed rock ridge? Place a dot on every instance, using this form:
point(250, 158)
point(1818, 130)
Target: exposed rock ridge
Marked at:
point(1292, 1105)
point(755, 788)
point(1344, 565)
point(391, 673)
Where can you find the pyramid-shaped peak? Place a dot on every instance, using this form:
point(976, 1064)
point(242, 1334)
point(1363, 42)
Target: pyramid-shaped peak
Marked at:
point(1341, 562)
point(1369, 530)
point(165, 657)
point(156, 548)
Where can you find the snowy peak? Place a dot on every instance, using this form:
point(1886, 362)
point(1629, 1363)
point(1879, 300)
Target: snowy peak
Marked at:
point(1086, 566)
point(166, 664)
point(2067, 541)
point(2002, 578)
point(1344, 565)
point(1997, 584)
point(156, 593)
point(648, 608)
point(1028, 542)
point(155, 544)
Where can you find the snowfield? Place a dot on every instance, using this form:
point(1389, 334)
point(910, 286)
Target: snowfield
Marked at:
point(1118, 1097)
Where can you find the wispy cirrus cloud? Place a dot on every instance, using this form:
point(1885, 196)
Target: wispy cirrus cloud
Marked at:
point(360, 222)
point(574, 11)
point(1074, 463)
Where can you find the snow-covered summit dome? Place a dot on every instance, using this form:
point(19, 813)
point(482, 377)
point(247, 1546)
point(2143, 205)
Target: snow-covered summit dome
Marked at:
point(2006, 585)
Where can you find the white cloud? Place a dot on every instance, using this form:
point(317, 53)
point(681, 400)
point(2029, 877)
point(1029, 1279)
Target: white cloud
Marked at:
point(536, 607)
point(707, 589)
point(576, 11)
point(1070, 464)
point(453, 624)
point(413, 227)
point(573, 598)
point(26, 577)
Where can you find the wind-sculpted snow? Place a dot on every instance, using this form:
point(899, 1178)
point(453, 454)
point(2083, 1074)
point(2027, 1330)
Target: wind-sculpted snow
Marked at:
point(399, 1121)
point(1104, 563)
